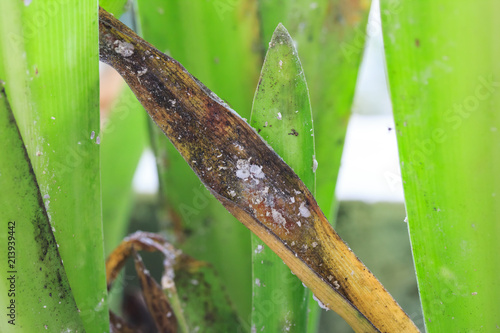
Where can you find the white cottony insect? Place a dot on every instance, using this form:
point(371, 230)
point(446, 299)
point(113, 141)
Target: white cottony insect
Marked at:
point(246, 170)
point(277, 217)
point(123, 48)
point(242, 173)
point(315, 164)
point(304, 211)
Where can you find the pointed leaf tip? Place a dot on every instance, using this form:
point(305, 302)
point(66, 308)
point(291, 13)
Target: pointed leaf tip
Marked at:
point(280, 36)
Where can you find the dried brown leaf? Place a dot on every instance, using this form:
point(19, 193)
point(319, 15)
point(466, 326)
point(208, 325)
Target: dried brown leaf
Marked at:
point(157, 303)
point(140, 241)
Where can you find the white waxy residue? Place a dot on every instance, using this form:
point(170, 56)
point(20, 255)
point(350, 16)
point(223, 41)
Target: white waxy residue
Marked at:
point(321, 305)
point(92, 135)
point(243, 174)
point(245, 170)
point(304, 211)
point(123, 48)
point(257, 281)
point(277, 217)
point(256, 171)
point(259, 249)
point(279, 116)
point(315, 164)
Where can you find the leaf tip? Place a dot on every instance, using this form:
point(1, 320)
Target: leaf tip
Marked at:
point(280, 36)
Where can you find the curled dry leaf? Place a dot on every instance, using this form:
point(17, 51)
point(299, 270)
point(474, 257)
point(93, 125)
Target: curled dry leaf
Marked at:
point(141, 241)
point(197, 298)
point(156, 301)
point(250, 180)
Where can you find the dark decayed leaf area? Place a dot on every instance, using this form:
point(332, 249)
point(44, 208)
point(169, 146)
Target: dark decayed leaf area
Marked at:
point(250, 180)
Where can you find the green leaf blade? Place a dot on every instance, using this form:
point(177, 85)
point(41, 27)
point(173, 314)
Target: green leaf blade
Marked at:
point(116, 7)
point(124, 138)
point(281, 113)
point(329, 36)
point(444, 89)
point(35, 285)
point(50, 69)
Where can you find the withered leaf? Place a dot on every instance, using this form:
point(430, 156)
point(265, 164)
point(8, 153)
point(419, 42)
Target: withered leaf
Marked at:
point(250, 180)
point(154, 296)
point(159, 307)
point(140, 241)
point(196, 296)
